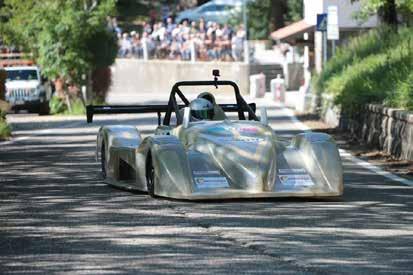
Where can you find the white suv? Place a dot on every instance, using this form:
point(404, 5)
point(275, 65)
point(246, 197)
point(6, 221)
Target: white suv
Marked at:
point(25, 90)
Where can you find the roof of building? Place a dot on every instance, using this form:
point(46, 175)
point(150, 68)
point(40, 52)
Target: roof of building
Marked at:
point(292, 30)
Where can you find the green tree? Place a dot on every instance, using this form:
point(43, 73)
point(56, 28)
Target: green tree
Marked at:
point(265, 16)
point(68, 38)
point(388, 10)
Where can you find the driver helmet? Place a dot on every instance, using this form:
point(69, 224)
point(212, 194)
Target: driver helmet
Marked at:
point(202, 109)
point(208, 96)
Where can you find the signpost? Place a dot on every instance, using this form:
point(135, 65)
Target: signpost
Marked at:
point(322, 22)
point(322, 27)
point(333, 32)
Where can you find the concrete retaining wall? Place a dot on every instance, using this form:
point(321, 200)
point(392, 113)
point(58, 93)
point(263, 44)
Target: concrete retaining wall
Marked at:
point(131, 76)
point(386, 129)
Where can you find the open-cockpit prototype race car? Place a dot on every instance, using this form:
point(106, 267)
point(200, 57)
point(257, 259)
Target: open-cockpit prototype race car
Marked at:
point(207, 156)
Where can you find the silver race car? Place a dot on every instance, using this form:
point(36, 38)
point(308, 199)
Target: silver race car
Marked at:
point(207, 156)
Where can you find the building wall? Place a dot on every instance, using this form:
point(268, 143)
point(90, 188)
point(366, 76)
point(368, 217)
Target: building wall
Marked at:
point(346, 11)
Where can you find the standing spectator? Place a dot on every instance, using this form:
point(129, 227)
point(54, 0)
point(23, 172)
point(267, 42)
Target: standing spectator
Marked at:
point(125, 46)
point(210, 46)
point(185, 28)
point(137, 49)
point(193, 29)
point(238, 43)
point(170, 26)
point(225, 53)
point(226, 30)
point(147, 28)
point(202, 26)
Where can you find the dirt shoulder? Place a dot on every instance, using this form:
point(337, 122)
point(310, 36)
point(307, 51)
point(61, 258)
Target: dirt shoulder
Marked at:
point(386, 162)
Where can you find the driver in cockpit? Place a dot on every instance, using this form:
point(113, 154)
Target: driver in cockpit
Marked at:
point(205, 107)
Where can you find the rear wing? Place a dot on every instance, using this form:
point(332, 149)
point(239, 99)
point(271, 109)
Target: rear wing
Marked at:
point(91, 110)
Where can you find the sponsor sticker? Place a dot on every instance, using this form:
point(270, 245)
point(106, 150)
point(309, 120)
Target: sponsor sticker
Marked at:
point(296, 180)
point(250, 139)
point(240, 139)
point(291, 171)
point(248, 130)
point(211, 182)
point(207, 172)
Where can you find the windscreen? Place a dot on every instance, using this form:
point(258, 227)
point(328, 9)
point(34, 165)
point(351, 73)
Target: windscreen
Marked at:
point(14, 75)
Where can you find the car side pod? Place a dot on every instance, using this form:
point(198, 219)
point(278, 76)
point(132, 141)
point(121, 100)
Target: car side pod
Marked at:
point(322, 160)
point(173, 177)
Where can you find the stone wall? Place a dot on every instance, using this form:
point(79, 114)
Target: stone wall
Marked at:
point(386, 129)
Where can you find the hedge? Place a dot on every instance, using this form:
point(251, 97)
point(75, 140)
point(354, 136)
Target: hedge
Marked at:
point(376, 67)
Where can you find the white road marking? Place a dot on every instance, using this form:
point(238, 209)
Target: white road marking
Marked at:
point(348, 156)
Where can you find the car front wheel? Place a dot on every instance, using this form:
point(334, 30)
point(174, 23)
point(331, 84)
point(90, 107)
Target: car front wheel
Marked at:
point(103, 160)
point(150, 176)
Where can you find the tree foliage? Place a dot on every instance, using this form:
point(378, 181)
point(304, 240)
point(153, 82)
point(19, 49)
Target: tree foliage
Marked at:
point(265, 16)
point(67, 38)
point(388, 10)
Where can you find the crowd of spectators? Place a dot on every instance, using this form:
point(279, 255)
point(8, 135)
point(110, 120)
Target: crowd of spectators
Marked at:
point(168, 40)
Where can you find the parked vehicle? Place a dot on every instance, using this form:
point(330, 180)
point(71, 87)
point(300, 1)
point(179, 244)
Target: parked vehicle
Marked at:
point(219, 11)
point(25, 90)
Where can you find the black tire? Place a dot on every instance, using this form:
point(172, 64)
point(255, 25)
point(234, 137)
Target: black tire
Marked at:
point(44, 109)
point(150, 176)
point(103, 160)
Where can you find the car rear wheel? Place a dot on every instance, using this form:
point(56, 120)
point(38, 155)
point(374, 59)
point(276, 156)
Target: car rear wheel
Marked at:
point(103, 160)
point(150, 176)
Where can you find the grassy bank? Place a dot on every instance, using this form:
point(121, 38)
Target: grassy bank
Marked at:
point(376, 67)
point(5, 129)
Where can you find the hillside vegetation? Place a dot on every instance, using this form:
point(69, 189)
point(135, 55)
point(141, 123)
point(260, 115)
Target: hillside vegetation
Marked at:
point(5, 129)
point(376, 67)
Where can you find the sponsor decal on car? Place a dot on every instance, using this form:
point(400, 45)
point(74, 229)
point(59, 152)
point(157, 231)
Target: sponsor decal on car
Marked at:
point(240, 139)
point(248, 130)
point(211, 182)
point(295, 178)
point(209, 179)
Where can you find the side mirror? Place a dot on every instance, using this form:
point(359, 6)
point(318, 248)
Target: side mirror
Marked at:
point(263, 116)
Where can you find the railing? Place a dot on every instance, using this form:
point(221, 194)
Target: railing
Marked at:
point(15, 59)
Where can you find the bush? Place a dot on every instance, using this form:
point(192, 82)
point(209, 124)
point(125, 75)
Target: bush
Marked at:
point(373, 68)
point(5, 129)
point(404, 94)
point(59, 106)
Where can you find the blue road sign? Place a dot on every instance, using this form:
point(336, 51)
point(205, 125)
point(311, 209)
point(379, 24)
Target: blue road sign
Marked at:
point(322, 22)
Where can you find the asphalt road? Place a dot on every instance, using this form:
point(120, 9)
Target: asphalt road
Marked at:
point(56, 216)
